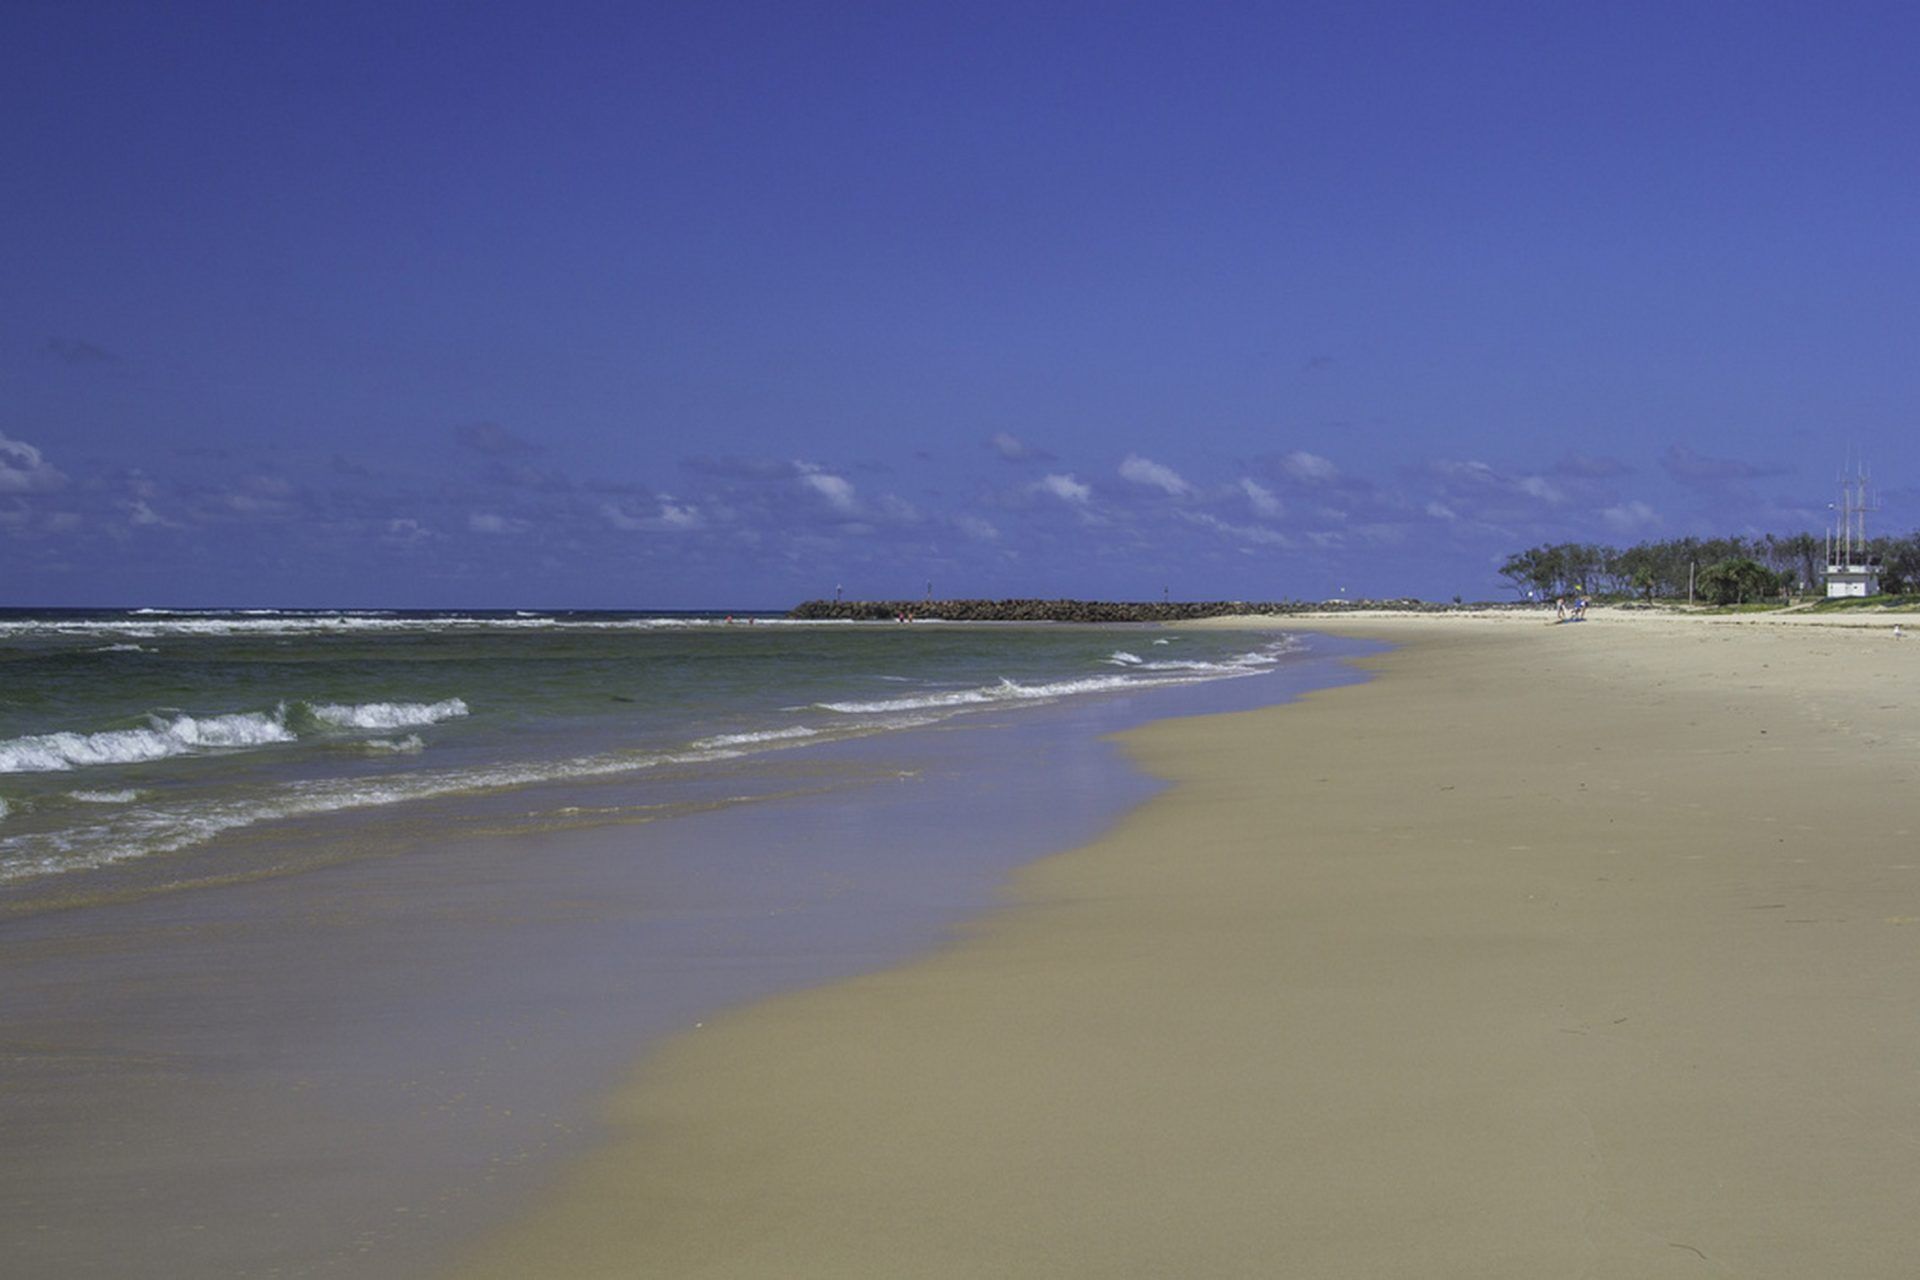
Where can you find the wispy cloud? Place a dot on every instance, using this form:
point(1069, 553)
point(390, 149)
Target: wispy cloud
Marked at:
point(1468, 477)
point(1066, 488)
point(489, 522)
point(837, 490)
point(1014, 449)
point(140, 514)
point(1154, 475)
point(1244, 534)
point(1309, 468)
point(668, 516)
point(1630, 518)
point(1261, 499)
point(23, 469)
point(976, 528)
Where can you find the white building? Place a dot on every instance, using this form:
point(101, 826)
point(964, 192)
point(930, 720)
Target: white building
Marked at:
point(1852, 580)
point(1850, 570)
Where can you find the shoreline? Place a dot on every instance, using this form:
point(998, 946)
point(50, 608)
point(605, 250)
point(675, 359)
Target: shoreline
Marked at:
point(350, 1069)
point(1545, 949)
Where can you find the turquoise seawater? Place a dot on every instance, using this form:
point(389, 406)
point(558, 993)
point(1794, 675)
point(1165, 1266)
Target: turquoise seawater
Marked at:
point(139, 737)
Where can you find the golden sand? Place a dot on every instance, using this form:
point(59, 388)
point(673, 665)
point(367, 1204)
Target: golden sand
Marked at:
point(1553, 951)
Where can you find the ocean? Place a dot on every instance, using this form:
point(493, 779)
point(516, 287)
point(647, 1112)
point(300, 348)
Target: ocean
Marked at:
point(323, 933)
point(130, 737)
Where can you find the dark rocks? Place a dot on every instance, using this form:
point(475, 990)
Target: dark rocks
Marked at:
point(1074, 610)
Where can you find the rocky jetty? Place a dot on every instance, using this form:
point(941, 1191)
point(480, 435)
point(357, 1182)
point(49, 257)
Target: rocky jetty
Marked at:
point(1071, 610)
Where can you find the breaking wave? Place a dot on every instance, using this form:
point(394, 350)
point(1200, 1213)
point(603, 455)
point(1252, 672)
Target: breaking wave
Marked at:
point(749, 739)
point(126, 796)
point(1140, 674)
point(387, 715)
point(178, 734)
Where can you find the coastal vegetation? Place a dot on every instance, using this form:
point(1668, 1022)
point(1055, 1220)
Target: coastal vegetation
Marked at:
point(1719, 570)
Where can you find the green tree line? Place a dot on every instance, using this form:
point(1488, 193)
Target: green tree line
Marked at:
point(1660, 570)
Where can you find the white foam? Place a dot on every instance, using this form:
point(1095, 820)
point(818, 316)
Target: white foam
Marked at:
point(135, 833)
point(127, 796)
point(387, 715)
point(57, 752)
point(5, 809)
point(1121, 658)
point(154, 623)
point(749, 739)
point(1172, 671)
point(123, 648)
point(1005, 691)
point(119, 830)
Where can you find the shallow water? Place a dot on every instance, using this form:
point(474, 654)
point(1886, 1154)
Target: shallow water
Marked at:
point(349, 1070)
point(128, 736)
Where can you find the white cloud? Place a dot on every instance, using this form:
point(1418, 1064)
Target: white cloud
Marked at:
point(1441, 511)
point(24, 470)
point(671, 517)
point(1261, 498)
point(489, 522)
point(139, 513)
point(1467, 472)
point(1631, 517)
point(837, 490)
point(261, 497)
point(1154, 475)
point(1241, 533)
point(1310, 467)
point(1541, 488)
point(1012, 448)
point(407, 532)
point(976, 528)
point(1473, 475)
point(678, 516)
point(620, 519)
point(1066, 488)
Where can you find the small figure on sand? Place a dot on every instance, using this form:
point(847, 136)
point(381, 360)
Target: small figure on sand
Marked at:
point(1560, 609)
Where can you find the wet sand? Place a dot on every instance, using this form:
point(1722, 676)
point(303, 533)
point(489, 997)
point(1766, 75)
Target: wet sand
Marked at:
point(387, 1036)
point(1555, 950)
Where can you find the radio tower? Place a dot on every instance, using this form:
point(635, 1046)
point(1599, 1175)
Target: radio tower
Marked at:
point(1851, 571)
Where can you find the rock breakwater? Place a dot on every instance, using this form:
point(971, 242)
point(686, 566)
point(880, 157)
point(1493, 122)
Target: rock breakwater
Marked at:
point(1028, 610)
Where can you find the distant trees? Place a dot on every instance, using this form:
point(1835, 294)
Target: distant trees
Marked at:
point(1660, 570)
point(1737, 580)
point(1560, 568)
point(1900, 565)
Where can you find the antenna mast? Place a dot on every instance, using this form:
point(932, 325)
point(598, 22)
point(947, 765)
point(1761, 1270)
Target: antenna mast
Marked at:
point(1852, 569)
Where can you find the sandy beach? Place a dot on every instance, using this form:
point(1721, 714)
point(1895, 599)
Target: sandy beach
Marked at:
point(1550, 951)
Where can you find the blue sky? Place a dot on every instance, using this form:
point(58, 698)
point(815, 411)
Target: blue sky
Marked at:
point(726, 304)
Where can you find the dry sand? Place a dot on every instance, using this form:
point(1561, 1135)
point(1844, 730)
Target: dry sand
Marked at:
point(1586, 950)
